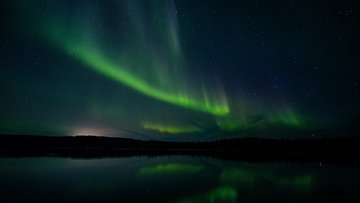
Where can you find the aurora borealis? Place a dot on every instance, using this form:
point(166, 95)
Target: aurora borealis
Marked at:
point(178, 70)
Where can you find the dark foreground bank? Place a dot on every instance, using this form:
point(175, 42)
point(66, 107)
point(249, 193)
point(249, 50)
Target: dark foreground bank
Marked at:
point(339, 150)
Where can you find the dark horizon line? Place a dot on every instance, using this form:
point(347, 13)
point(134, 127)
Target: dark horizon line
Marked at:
point(321, 136)
point(331, 150)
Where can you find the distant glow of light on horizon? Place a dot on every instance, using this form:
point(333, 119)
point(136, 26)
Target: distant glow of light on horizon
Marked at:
point(89, 131)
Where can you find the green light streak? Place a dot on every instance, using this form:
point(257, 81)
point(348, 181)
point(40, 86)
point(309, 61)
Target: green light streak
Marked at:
point(221, 194)
point(170, 129)
point(102, 65)
point(230, 123)
point(170, 168)
point(281, 117)
point(285, 116)
point(139, 65)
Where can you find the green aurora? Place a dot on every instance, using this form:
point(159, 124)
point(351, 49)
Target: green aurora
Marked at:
point(161, 85)
point(166, 80)
point(138, 69)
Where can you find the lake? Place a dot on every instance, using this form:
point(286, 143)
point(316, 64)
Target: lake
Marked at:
point(176, 179)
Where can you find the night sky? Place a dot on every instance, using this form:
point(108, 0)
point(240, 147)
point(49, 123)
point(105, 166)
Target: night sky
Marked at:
point(179, 70)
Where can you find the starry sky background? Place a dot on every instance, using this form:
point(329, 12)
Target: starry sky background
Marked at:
point(179, 70)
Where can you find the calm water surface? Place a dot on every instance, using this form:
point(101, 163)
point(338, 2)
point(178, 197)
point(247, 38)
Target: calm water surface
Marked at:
point(173, 179)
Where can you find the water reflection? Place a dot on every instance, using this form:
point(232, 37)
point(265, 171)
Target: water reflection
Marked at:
point(236, 176)
point(169, 168)
point(175, 179)
point(221, 194)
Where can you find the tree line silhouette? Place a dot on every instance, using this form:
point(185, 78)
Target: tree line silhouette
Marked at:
point(340, 149)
